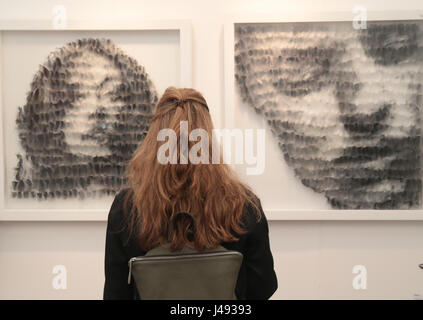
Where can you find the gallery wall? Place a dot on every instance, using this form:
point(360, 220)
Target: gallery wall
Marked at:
point(313, 259)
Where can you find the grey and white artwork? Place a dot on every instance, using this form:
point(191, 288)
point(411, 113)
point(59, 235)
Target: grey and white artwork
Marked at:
point(344, 105)
point(88, 108)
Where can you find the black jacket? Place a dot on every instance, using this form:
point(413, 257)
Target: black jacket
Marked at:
point(256, 280)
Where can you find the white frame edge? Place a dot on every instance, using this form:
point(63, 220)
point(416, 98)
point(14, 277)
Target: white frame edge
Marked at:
point(185, 44)
point(229, 112)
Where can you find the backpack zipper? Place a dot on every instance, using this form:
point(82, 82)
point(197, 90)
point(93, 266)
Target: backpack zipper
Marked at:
point(177, 256)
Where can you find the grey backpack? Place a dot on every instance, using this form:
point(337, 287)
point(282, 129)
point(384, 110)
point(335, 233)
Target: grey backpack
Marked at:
point(186, 274)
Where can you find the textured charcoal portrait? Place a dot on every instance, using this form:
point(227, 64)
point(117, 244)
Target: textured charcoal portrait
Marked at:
point(344, 105)
point(88, 108)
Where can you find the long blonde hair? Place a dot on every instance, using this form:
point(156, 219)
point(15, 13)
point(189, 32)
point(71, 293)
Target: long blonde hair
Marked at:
point(211, 193)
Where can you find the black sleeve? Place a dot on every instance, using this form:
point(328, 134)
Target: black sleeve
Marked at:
point(261, 276)
point(116, 260)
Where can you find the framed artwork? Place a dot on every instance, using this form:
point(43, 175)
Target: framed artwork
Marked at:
point(75, 105)
point(341, 108)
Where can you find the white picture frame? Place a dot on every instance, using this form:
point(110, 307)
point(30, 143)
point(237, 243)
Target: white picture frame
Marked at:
point(184, 30)
point(228, 113)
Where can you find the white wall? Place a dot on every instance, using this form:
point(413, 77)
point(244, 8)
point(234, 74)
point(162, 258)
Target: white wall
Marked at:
point(313, 259)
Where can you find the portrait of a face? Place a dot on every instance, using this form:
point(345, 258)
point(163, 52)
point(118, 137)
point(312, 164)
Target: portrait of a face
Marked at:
point(344, 105)
point(88, 108)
